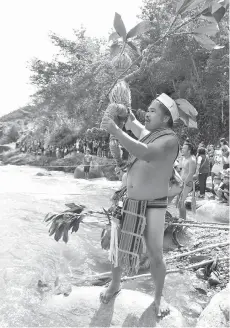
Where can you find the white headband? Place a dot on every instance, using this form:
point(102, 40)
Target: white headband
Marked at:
point(170, 104)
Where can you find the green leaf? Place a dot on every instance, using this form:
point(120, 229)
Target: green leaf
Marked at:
point(219, 13)
point(119, 26)
point(133, 47)
point(115, 49)
point(185, 5)
point(140, 28)
point(205, 41)
point(210, 30)
point(114, 36)
point(185, 106)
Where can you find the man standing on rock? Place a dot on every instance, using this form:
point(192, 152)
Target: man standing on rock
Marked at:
point(87, 160)
point(187, 173)
point(143, 211)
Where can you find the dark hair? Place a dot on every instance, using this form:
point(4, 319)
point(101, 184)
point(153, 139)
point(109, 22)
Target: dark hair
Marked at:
point(201, 151)
point(224, 141)
point(167, 113)
point(190, 147)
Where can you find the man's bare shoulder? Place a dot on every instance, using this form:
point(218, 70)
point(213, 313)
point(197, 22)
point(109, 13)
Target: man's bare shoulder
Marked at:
point(169, 143)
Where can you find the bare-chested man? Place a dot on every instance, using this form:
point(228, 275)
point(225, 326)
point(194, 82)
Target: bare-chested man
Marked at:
point(148, 179)
point(188, 170)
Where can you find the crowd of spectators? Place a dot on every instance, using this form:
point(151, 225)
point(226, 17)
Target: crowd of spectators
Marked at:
point(98, 148)
point(209, 161)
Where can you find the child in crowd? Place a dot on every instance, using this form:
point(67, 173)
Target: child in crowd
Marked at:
point(223, 188)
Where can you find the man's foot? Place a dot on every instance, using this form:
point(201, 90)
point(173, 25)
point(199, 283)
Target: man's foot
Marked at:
point(111, 292)
point(161, 307)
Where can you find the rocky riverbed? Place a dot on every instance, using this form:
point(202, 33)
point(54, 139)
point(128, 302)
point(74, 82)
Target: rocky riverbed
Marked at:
point(33, 266)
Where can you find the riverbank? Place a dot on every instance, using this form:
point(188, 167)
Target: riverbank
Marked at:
point(67, 164)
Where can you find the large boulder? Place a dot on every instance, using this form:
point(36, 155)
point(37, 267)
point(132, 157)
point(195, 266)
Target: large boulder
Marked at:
point(82, 308)
point(216, 314)
point(212, 211)
point(4, 148)
point(95, 172)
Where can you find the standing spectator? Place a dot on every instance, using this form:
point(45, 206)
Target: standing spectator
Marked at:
point(57, 152)
point(103, 148)
point(77, 145)
point(99, 149)
point(225, 153)
point(211, 154)
point(187, 173)
point(81, 146)
point(202, 170)
point(90, 146)
point(95, 146)
point(65, 151)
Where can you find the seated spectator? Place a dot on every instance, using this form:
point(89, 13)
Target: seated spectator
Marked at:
point(223, 189)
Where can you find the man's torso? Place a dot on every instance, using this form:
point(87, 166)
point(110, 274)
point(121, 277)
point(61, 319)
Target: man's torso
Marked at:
point(185, 167)
point(150, 180)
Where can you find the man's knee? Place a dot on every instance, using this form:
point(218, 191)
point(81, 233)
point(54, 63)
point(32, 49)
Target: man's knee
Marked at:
point(155, 256)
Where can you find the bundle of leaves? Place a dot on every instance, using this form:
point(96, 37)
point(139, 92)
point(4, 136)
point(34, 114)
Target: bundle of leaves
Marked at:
point(62, 223)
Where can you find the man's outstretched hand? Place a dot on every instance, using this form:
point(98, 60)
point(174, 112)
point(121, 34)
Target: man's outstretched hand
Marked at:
point(109, 125)
point(131, 118)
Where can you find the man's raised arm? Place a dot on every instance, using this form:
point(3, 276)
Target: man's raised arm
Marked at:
point(135, 126)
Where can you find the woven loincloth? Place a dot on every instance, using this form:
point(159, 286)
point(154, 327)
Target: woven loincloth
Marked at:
point(131, 230)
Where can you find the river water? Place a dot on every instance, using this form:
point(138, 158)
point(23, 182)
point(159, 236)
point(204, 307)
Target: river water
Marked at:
point(28, 254)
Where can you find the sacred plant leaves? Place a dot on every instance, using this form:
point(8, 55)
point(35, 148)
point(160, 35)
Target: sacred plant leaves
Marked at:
point(119, 26)
point(115, 49)
point(184, 5)
point(114, 36)
point(211, 30)
point(140, 28)
point(134, 47)
point(206, 42)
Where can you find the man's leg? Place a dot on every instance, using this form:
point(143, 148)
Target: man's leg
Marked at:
point(202, 184)
point(114, 286)
point(154, 235)
point(181, 205)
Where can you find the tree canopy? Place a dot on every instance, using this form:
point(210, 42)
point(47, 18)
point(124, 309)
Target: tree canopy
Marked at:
point(194, 66)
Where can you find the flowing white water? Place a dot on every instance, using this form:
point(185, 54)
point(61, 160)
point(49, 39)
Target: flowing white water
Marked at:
point(28, 254)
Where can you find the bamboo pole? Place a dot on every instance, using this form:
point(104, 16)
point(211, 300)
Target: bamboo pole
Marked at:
point(199, 226)
point(198, 250)
point(194, 266)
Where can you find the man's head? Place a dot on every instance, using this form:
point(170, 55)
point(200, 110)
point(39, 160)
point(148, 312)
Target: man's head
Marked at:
point(211, 147)
point(226, 176)
point(201, 151)
point(201, 144)
point(157, 116)
point(87, 151)
point(223, 142)
point(187, 149)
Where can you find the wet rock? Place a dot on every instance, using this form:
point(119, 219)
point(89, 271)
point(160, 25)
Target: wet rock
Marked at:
point(200, 287)
point(212, 211)
point(213, 279)
point(4, 148)
point(43, 174)
point(216, 314)
point(195, 309)
point(200, 273)
point(94, 173)
point(82, 308)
